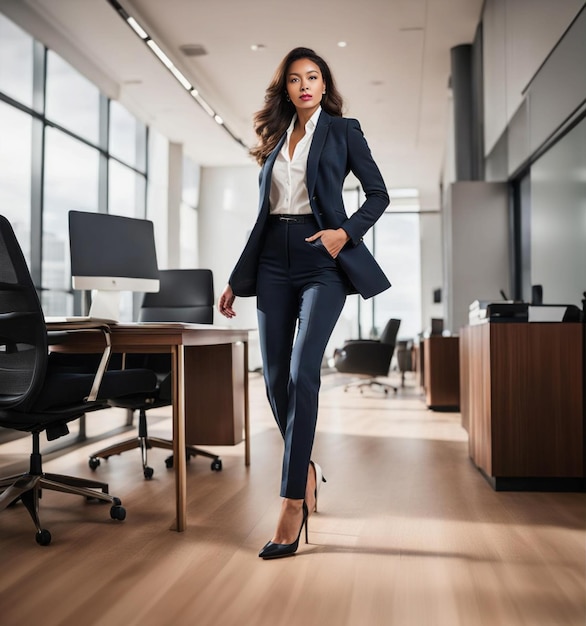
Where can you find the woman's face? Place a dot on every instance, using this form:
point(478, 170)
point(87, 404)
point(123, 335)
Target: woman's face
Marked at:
point(305, 85)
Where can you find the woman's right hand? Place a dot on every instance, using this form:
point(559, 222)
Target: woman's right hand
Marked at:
point(226, 301)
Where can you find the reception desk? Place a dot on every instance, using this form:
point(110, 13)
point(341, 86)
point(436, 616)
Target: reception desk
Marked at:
point(522, 402)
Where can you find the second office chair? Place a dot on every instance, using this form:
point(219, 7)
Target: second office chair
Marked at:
point(187, 296)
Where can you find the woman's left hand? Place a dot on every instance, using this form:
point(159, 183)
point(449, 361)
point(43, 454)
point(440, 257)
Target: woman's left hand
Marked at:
point(333, 240)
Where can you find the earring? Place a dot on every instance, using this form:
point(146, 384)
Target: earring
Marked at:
point(287, 97)
point(323, 93)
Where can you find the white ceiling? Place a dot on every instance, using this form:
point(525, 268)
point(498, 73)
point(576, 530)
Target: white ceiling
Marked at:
point(393, 73)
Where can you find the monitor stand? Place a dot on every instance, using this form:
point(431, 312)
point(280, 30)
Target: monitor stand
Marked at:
point(105, 305)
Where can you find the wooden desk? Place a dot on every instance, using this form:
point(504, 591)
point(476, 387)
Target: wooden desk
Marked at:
point(523, 403)
point(181, 341)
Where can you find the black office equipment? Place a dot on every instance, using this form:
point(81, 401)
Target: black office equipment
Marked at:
point(110, 254)
point(537, 294)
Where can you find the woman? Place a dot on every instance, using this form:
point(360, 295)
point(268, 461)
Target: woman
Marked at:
point(302, 257)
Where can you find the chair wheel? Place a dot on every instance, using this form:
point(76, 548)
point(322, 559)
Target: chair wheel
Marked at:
point(43, 537)
point(118, 512)
point(216, 465)
point(148, 472)
point(94, 462)
point(169, 462)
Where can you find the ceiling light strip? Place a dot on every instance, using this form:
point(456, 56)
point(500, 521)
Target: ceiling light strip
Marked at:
point(166, 61)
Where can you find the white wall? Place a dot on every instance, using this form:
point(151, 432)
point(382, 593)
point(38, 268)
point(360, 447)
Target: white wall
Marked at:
point(476, 247)
point(174, 192)
point(158, 194)
point(227, 210)
point(518, 36)
point(430, 228)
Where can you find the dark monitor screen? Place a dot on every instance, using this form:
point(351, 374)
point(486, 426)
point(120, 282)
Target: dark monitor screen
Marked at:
point(109, 254)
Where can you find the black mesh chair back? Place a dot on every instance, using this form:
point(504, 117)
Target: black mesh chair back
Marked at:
point(38, 396)
point(185, 295)
point(23, 337)
point(390, 332)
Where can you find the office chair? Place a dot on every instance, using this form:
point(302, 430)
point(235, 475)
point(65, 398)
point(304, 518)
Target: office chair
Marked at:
point(369, 358)
point(37, 395)
point(185, 295)
point(404, 351)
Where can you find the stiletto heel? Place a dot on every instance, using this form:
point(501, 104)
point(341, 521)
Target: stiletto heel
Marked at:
point(277, 550)
point(319, 479)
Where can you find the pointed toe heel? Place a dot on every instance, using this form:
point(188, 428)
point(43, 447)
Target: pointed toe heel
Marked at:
point(279, 550)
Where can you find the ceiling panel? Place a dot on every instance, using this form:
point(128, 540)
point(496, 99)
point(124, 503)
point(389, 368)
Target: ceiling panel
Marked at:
point(393, 73)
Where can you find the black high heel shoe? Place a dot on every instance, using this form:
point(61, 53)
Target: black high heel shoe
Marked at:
point(277, 550)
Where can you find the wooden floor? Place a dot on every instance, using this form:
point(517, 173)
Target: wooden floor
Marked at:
point(408, 533)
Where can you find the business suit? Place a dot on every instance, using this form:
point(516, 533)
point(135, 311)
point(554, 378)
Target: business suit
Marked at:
point(299, 284)
point(338, 147)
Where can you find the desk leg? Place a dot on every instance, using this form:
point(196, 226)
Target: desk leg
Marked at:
point(246, 409)
point(179, 460)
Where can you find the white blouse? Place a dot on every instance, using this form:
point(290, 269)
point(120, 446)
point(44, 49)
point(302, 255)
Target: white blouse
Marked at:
point(289, 193)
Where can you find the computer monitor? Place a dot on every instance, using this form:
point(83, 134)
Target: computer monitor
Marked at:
point(110, 254)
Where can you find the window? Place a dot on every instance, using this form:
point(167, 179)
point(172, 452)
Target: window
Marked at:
point(395, 242)
point(16, 62)
point(71, 100)
point(71, 183)
point(126, 191)
point(15, 173)
point(76, 171)
point(397, 247)
point(127, 137)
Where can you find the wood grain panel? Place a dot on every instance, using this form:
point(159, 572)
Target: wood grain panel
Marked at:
point(524, 405)
point(536, 399)
point(214, 392)
point(442, 378)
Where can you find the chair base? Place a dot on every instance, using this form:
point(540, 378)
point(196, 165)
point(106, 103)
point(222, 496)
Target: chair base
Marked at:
point(361, 384)
point(28, 488)
point(145, 444)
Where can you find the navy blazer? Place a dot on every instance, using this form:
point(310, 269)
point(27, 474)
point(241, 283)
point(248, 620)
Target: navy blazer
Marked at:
point(337, 148)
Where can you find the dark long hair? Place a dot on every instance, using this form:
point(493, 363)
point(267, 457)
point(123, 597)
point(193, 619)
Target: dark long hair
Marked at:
point(271, 122)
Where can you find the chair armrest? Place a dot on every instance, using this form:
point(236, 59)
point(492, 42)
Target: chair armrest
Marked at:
point(56, 331)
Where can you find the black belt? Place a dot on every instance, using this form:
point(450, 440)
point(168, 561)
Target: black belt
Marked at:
point(294, 219)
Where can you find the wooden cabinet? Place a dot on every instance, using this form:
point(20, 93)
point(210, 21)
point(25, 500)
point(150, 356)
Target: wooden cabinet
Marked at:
point(441, 377)
point(522, 403)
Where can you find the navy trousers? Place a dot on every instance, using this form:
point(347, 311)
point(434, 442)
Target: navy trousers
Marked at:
point(300, 295)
